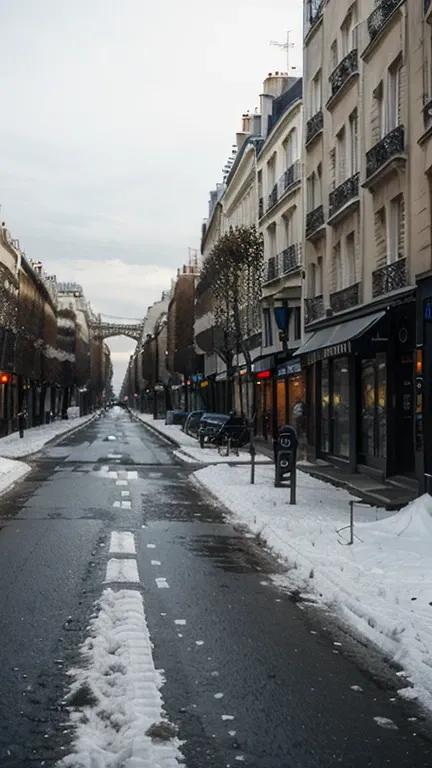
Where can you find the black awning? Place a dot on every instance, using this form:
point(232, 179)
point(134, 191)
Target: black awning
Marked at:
point(336, 335)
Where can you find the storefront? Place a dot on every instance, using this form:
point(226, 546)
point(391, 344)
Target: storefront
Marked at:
point(290, 389)
point(265, 396)
point(360, 391)
point(423, 384)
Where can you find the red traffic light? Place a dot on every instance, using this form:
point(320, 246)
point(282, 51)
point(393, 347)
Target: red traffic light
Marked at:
point(5, 378)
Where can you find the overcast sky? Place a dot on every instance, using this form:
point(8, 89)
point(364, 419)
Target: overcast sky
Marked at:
point(117, 119)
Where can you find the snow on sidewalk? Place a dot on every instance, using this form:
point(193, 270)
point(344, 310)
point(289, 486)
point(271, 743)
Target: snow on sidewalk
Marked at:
point(190, 449)
point(13, 446)
point(382, 584)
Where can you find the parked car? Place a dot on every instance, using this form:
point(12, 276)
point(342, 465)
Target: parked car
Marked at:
point(176, 417)
point(191, 424)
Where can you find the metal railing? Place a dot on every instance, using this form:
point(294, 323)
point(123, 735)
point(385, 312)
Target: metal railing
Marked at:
point(314, 126)
point(314, 309)
point(348, 190)
point(346, 298)
point(380, 16)
point(392, 144)
point(285, 262)
point(389, 278)
point(314, 220)
point(347, 67)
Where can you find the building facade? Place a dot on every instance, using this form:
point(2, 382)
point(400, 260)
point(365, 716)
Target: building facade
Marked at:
point(367, 230)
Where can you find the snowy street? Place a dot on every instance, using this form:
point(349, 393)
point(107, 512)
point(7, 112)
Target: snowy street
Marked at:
point(146, 625)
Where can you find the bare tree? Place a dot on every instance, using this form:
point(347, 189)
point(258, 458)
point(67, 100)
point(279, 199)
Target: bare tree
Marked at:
point(233, 274)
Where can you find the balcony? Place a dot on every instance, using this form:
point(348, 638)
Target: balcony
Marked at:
point(260, 208)
point(314, 221)
point(289, 260)
point(380, 16)
point(272, 198)
point(346, 298)
point(345, 70)
point(345, 193)
point(314, 14)
point(314, 126)
point(427, 113)
point(389, 278)
point(291, 177)
point(387, 155)
point(314, 309)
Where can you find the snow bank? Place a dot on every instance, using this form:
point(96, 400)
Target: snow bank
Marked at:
point(34, 439)
point(11, 472)
point(382, 584)
point(115, 698)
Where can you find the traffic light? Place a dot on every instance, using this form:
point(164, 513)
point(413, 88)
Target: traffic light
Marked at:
point(4, 377)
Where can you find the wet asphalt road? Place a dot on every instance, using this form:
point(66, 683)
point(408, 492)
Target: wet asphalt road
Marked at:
point(286, 686)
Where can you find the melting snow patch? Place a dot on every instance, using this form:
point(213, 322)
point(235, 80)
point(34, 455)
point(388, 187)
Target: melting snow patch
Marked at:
point(121, 571)
point(114, 456)
point(218, 695)
point(121, 721)
point(111, 437)
point(180, 622)
point(199, 642)
point(162, 583)
point(122, 542)
point(227, 717)
point(151, 546)
point(120, 482)
point(385, 722)
point(356, 688)
point(155, 562)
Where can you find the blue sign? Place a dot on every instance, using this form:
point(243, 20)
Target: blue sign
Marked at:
point(428, 309)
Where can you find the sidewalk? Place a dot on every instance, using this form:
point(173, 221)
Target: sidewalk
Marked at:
point(381, 585)
point(13, 447)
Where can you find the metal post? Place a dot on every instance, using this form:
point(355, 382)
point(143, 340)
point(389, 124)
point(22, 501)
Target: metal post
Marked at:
point(351, 505)
point(293, 480)
point(252, 455)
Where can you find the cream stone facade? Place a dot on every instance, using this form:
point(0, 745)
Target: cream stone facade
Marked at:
point(367, 230)
point(279, 174)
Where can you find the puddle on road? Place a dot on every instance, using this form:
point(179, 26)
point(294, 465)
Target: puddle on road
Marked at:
point(234, 554)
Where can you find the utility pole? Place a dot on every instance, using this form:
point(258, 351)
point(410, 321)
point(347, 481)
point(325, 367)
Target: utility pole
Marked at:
point(286, 46)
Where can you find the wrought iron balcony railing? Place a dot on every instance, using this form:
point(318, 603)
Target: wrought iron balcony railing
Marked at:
point(427, 113)
point(389, 278)
point(314, 126)
point(314, 220)
point(391, 145)
point(347, 67)
point(290, 177)
point(314, 309)
point(260, 208)
point(380, 16)
point(273, 197)
point(289, 260)
point(346, 298)
point(348, 190)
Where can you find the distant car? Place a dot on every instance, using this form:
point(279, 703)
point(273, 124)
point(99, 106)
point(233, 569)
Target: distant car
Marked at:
point(192, 423)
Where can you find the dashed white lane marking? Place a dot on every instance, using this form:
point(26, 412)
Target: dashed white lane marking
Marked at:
point(227, 717)
point(121, 482)
point(111, 437)
point(132, 475)
point(155, 474)
point(114, 456)
point(116, 504)
point(119, 571)
point(122, 542)
point(126, 504)
point(125, 493)
point(162, 583)
point(180, 622)
point(132, 702)
point(151, 546)
point(155, 562)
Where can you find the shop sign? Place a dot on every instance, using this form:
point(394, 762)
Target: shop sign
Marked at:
point(428, 309)
point(197, 377)
point(204, 384)
point(263, 365)
point(289, 368)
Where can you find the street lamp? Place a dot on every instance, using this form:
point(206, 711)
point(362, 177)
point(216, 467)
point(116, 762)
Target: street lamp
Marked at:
point(282, 315)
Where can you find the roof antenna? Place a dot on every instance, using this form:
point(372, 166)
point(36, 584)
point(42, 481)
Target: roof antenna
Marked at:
point(286, 47)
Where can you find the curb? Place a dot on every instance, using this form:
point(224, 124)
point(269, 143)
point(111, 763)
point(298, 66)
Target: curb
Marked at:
point(27, 456)
point(155, 431)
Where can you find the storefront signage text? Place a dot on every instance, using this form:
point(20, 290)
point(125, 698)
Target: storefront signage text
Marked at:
point(323, 354)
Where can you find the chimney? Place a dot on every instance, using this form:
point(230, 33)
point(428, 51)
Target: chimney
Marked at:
point(276, 83)
point(266, 108)
point(240, 139)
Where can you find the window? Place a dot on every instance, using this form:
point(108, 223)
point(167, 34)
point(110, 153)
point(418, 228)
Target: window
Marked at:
point(268, 329)
point(297, 323)
point(353, 143)
point(396, 229)
point(378, 114)
point(289, 227)
point(337, 267)
point(348, 32)
point(312, 280)
point(340, 156)
point(272, 240)
point(394, 95)
point(311, 192)
point(334, 55)
point(332, 169)
point(319, 277)
point(350, 270)
point(271, 173)
point(290, 148)
point(315, 94)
